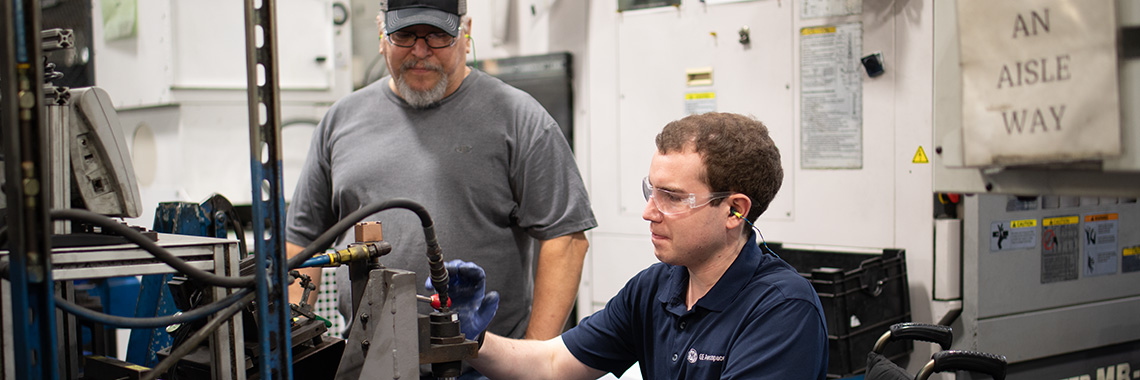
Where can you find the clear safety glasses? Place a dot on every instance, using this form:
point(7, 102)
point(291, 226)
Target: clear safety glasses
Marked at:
point(673, 203)
point(408, 39)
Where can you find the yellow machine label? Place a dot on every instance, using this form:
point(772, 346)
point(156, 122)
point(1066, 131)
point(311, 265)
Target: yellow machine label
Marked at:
point(817, 30)
point(1132, 251)
point(1023, 223)
point(1059, 221)
point(700, 95)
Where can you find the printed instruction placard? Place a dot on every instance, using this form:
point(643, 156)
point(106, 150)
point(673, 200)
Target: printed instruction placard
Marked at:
point(1060, 248)
point(1100, 244)
point(1012, 235)
point(831, 97)
point(1039, 81)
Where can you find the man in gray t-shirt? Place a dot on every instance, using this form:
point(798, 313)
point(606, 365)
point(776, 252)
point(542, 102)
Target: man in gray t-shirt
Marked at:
point(488, 163)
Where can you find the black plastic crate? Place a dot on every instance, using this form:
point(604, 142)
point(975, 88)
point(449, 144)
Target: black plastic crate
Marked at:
point(862, 296)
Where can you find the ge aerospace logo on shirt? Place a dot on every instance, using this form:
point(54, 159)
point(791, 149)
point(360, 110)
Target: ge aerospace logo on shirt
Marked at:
point(694, 356)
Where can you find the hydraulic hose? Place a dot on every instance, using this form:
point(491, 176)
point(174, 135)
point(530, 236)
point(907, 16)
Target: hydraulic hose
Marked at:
point(150, 246)
point(141, 323)
point(435, 256)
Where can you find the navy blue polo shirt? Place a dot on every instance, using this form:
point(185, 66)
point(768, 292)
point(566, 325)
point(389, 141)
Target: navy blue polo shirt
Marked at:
point(761, 320)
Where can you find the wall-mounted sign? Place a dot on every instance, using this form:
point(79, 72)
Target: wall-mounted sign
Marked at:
point(831, 97)
point(1039, 81)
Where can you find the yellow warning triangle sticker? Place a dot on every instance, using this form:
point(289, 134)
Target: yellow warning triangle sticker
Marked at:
point(920, 157)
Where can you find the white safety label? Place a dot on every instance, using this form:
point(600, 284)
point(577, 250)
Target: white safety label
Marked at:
point(1012, 235)
point(831, 97)
point(1060, 248)
point(1100, 255)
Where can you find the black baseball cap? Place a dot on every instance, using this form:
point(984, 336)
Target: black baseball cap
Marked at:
point(443, 14)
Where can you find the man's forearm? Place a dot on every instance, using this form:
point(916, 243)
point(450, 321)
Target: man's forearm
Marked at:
point(295, 290)
point(556, 284)
point(504, 358)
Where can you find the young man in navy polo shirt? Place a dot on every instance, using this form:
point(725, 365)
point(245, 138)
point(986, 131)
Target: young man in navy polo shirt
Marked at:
point(717, 306)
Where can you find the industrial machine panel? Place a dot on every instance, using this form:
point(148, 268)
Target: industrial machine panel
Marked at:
point(1049, 275)
point(1037, 253)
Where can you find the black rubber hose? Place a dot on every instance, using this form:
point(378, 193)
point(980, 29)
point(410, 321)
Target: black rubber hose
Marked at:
point(152, 322)
point(150, 246)
point(141, 323)
point(435, 257)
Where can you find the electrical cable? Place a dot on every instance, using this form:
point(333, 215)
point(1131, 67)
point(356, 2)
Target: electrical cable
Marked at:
point(151, 322)
point(196, 339)
point(153, 248)
point(763, 241)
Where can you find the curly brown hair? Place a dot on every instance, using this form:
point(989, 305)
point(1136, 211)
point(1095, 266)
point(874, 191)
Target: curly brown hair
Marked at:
point(738, 154)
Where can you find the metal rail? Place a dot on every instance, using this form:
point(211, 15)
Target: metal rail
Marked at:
point(268, 197)
point(28, 190)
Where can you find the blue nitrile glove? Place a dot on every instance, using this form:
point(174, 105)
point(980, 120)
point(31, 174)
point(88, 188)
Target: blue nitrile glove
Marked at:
point(466, 284)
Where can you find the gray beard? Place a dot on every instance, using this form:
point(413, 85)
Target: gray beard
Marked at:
point(421, 99)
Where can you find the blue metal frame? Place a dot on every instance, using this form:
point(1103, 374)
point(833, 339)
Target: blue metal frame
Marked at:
point(154, 298)
point(28, 192)
point(268, 198)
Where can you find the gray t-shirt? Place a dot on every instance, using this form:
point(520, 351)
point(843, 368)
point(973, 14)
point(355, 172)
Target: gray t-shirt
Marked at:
point(489, 164)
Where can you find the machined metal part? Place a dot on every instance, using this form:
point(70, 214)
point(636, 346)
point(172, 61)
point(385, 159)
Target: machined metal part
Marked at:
point(383, 337)
point(365, 232)
point(359, 252)
point(228, 342)
point(359, 271)
point(57, 39)
point(58, 121)
point(442, 345)
point(58, 96)
point(68, 336)
point(130, 260)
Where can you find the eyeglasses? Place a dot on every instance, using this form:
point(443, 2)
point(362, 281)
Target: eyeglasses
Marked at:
point(433, 40)
point(673, 203)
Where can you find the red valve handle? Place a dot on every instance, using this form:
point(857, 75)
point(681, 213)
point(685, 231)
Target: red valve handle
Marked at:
point(435, 301)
